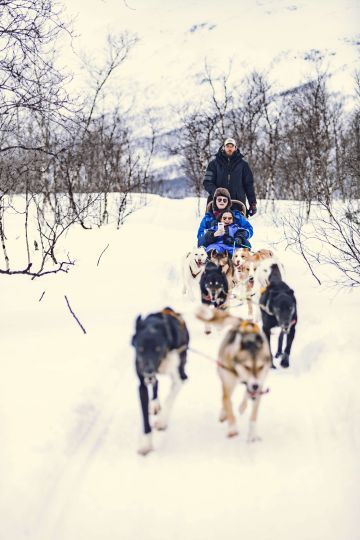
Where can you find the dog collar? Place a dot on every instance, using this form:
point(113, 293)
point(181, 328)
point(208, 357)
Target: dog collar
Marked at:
point(208, 298)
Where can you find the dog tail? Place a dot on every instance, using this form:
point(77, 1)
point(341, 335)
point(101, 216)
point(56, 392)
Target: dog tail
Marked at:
point(217, 317)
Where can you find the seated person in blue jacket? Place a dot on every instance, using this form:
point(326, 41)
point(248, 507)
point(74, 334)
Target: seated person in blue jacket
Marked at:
point(227, 235)
point(222, 201)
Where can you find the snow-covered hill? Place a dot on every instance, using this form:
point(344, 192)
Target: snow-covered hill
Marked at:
point(70, 418)
point(166, 68)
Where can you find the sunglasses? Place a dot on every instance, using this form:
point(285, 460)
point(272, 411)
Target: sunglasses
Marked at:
point(221, 199)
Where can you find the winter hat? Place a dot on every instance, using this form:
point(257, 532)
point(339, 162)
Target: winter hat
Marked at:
point(230, 141)
point(221, 192)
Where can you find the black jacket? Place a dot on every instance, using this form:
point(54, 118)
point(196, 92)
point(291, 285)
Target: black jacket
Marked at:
point(233, 174)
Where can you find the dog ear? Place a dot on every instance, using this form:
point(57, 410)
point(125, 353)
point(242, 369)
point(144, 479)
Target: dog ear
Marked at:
point(138, 323)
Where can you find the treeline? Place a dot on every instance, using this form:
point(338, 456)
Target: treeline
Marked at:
point(61, 154)
point(52, 142)
point(302, 144)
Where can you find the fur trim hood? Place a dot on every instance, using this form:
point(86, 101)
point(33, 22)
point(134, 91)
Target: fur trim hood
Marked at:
point(235, 205)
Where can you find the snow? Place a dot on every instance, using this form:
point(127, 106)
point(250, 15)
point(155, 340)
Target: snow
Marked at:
point(70, 418)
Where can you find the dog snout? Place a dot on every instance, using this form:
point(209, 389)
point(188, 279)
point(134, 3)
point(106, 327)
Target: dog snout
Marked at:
point(150, 378)
point(255, 387)
point(286, 328)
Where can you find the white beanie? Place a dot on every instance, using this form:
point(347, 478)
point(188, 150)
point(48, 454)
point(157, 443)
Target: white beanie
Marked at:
point(230, 141)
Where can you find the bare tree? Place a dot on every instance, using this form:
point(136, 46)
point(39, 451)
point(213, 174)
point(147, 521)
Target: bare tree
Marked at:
point(332, 237)
point(28, 31)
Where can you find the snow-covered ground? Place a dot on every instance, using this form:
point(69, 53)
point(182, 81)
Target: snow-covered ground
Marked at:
point(70, 417)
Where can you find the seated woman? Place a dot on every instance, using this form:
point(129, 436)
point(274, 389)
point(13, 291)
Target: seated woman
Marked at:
point(227, 235)
point(221, 202)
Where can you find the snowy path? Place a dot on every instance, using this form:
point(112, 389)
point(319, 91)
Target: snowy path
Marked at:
point(70, 418)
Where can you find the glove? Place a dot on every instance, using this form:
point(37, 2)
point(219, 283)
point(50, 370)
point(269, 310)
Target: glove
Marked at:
point(252, 210)
point(239, 241)
point(228, 240)
point(209, 238)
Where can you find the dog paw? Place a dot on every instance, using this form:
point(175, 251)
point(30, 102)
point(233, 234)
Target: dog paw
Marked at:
point(145, 450)
point(146, 445)
point(252, 435)
point(154, 407)
point(160, 424)
point(278, 354)
point(183, 376)
point(273, 365)
point(285, 361)
point(232, 431)
point(222, 416)
point(252, 438)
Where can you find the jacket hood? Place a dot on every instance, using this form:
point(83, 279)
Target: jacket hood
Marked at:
point(235, 205)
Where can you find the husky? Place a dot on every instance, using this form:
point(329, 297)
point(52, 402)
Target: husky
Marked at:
point(244, 357)
point(264, 269)
point(214, 288)
point(193, 267)
point(278, 309)
point(224, 261)
point(161, 341)
point(245, 254)
point(245, 289)
point(247, 285)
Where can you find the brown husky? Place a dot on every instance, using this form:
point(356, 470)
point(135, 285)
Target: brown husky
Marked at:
point(244, 356)
point(225, 262)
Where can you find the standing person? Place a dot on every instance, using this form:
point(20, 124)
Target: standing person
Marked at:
point(229, 170)
point(222, 201)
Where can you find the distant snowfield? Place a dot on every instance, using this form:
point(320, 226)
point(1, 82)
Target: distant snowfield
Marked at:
point(70, 418)
point(166, 67)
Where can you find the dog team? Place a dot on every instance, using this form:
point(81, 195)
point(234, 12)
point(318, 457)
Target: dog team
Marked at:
point(222, 269)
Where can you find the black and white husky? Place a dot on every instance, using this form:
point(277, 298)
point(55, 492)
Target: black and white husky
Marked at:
point(161, 341)
point(214, 289)
point(278, 309)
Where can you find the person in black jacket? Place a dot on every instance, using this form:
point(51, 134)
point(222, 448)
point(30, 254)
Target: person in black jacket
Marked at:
point(229, 170)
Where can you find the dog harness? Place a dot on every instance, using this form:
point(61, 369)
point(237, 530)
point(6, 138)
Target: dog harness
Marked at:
point(181, 321)
point(191, 270)
point(192, 273)
point(172, 313)
point(249, 327)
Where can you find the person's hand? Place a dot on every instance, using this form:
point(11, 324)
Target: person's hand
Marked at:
point(228, 240)
point(209, 237)
point(239, 241)
point(252, 210)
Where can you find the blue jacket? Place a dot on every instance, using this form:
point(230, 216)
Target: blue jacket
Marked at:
point(231, 240)
point(209, 220)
